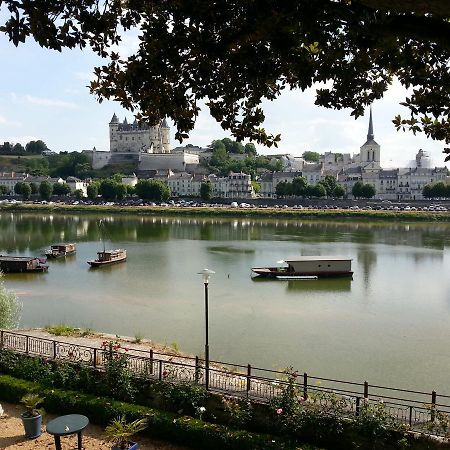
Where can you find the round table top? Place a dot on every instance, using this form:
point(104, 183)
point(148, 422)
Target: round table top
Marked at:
point(63, 425)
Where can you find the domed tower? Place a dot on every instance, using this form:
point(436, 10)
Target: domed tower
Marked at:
point(370, 151)
point(113, 136)
point(165, 136)
point(423, 159)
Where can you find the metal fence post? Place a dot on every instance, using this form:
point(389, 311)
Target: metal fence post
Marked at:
point(410, 415)
point(54, 349)
point(26, 345)
point(1, 340)
point(95, 358)
point(433, 405)
point(196, 369)
point(366, 390)
point(358, 400)
point(249, 377)
point(305, 385)
point(160, 369)
point(151, 361)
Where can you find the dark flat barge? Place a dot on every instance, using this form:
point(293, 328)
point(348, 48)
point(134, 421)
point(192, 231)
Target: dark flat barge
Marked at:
point(22, 264)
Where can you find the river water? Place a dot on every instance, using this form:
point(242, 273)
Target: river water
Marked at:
point(390, 325)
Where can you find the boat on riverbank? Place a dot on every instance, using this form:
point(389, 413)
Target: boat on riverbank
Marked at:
point(21, 264)
point(308, 267)
point(60, 250)
point(106, 257)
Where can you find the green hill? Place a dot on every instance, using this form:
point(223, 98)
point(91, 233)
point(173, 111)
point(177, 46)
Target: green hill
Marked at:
point(15, 163)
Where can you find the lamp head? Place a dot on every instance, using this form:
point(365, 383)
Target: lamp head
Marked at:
point(206, 273)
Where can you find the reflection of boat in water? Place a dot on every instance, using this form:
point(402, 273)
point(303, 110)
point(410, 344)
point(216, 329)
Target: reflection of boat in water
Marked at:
point(19, 264)
point(307, 267)
point(60, 250)
point(107, 257)
point(341, 284)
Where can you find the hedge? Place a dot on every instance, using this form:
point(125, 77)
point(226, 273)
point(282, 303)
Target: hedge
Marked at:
point(162, 425)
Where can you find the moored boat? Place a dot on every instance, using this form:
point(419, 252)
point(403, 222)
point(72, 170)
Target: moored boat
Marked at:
point(60, 250)
point(20, 264)
point(106, 257)
point(308, 267)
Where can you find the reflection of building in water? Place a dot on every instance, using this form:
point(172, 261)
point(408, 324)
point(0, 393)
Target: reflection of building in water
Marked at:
point(421, 257)
point(322, 284)
point(367, 260)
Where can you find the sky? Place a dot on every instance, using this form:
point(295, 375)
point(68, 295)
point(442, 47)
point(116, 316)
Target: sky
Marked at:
point(44, 95)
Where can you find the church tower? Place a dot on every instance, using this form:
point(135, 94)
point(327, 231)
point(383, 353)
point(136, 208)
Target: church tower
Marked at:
point(370, 151)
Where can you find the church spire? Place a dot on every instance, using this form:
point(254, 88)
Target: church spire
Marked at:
point(370, 135)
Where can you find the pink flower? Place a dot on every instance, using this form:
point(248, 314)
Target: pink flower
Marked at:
point(301, 399)
point(279, 411)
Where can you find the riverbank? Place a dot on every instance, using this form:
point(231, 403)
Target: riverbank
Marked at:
point(278, 213)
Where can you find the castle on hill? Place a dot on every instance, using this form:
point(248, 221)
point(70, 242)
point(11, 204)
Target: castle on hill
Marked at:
point(136, 138)
point(147, 147)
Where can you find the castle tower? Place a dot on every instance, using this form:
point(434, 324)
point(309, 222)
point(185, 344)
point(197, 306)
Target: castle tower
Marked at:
point(370, 151)
point(165, 136)
point(135, 138)
point(113, 129)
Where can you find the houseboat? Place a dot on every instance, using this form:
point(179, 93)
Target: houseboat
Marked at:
point(308, 267)
point(106, 257)
point(19, 264)
point(59, 250)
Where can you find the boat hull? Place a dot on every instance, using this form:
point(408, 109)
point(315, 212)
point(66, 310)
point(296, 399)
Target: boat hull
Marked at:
point(96, 263)
point(279, 273)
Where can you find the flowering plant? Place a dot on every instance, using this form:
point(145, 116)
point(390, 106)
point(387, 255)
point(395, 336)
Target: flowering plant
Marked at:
point(118, 377)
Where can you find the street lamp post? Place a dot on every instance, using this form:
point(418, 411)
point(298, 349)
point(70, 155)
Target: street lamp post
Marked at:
point(206, 273)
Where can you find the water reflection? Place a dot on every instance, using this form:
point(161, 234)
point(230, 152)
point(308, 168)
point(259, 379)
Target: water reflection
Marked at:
point(314, 285)
point(20, 232)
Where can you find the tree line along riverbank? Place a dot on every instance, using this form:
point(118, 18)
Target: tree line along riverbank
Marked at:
point(217, 211)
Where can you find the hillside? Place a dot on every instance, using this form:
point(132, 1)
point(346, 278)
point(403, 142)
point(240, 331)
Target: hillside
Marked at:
point(15, 163)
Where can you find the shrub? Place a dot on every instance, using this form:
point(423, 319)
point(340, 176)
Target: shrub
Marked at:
point(10, 307)
point(163, 425)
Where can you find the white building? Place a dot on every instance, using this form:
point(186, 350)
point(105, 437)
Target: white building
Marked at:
point(76, 184)
point(181, 162)
point(235, 185)
point(10, 179)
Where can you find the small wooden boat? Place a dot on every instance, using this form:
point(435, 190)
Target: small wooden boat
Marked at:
point(106, 257)
point(19, 264)
point(59, 250)
point(308, 267)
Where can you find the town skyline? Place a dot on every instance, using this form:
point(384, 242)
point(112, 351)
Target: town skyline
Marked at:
point(54, 105)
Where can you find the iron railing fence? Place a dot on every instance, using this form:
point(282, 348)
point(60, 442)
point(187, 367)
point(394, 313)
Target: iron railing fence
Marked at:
point(421, 411)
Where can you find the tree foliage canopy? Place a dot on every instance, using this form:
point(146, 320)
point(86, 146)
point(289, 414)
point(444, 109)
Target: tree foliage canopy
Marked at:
point(233, 55)
point(152, 190)
point(45, 190)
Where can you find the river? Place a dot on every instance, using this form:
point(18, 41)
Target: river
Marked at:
point(389, 325)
